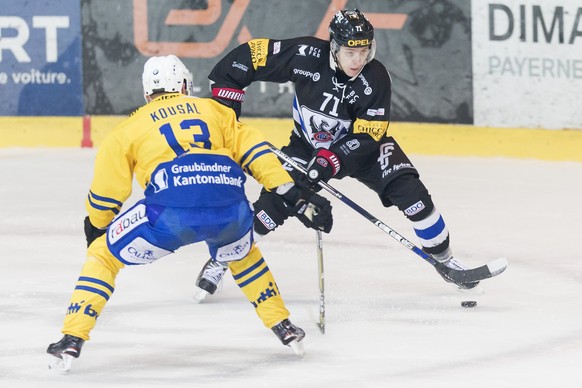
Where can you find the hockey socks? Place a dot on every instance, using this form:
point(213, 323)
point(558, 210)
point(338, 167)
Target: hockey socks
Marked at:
point(258, 284)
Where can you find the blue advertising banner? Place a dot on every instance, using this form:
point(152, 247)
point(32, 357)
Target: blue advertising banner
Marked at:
point(40, 58)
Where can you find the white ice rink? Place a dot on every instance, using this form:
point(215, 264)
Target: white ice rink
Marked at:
point(391, 320)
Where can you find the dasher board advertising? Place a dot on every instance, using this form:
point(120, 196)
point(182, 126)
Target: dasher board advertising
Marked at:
point(527, 63)
point(40, 58)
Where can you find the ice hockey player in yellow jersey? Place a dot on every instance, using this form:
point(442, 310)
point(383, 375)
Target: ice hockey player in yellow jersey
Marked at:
point(190, 155)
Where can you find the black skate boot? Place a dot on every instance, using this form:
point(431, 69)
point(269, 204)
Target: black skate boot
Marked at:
point(63, 352)
point(209, 279)
point(290, 335)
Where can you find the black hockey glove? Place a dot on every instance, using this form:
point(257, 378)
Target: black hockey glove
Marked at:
point(230, 97)
point(303, 182)
point(324, 164)
point(271, 210)
point(313, 210)
point(92, 232)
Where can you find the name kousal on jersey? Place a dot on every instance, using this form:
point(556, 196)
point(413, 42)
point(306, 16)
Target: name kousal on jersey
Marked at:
point(178, 109)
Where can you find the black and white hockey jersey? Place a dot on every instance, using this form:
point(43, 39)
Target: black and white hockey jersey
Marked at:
point(350, 118)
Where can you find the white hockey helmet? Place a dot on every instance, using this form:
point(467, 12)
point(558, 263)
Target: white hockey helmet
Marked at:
point(165, 74)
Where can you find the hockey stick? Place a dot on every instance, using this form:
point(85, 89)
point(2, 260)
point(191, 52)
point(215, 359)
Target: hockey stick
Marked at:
point(319, 241)
point(458, 276)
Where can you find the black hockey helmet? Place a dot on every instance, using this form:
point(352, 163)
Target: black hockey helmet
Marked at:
point(351, 29)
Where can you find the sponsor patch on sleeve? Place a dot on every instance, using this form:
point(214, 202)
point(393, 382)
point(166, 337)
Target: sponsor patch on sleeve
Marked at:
point(376, 112)
point(259, 52)
point(376, 129)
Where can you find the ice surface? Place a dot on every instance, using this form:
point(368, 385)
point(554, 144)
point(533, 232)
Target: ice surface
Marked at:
point(391, 319)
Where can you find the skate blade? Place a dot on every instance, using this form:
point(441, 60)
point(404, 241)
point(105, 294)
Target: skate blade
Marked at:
point(60, 365)
point(200, 294)
point(297, 348)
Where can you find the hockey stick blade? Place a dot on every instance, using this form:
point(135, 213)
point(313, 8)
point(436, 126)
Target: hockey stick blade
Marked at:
point(473, 275)
point(461, 278)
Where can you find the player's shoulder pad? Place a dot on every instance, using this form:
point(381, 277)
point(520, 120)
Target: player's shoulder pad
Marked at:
point(373, 79)
point(375, 71)
point(307, 46)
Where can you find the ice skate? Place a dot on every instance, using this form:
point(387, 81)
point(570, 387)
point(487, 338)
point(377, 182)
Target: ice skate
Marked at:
point(209, 279)
point(63, 353)
point(290, 335)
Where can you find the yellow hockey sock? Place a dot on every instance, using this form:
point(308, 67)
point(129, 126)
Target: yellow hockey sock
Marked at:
point(93, 289)
point(258, 284)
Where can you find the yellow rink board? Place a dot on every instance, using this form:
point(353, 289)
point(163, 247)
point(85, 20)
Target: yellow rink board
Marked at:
point(414, 138)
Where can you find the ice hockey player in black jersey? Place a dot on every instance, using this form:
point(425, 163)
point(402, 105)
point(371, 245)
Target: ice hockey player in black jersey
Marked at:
point(341, 111)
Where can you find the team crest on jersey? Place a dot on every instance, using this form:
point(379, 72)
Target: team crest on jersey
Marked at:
point(322, 130)
point(323, 137)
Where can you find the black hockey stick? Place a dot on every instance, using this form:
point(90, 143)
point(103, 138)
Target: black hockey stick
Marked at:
point(460, 277)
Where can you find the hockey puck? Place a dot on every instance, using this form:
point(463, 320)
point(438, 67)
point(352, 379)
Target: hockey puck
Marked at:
point(468, 303)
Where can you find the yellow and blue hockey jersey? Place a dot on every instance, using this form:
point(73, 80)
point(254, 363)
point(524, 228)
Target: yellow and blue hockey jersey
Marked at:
point(165, 128)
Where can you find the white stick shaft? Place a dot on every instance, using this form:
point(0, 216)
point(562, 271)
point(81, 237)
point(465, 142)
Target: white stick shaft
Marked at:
point(319, 241)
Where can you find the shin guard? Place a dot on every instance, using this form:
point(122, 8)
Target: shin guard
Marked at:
point(258, 284)
point(93, 289)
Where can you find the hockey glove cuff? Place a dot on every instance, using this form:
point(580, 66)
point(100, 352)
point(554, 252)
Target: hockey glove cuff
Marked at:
point(324, 164)
point(92, 232)
point(303, 182)
point(233, 98)
point(270, 212)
